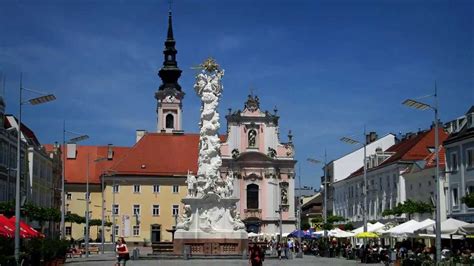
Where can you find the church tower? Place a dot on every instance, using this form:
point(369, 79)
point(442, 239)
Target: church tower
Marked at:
point(169, 94)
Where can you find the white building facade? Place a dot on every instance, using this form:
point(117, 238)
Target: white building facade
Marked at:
point(341, 168)
point(386, 179)
point(460, 165)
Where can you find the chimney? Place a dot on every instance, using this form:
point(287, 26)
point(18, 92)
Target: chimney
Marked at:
point(140, 134)
point(71, 150)
point(110, 152)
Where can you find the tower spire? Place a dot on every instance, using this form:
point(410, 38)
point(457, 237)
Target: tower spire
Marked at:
point(170, 71)
point(170, 25)
point(169, 94)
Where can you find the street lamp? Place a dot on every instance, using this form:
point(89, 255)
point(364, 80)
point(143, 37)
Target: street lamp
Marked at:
point(300, 252)
point(86, 243)
point(423, 106)
point(80, 137)
point(325, 210)
point(353, 141)
point(102, 239)
point(44, 98)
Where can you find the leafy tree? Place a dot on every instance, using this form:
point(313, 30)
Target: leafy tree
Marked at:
point(7, 208)
point(305, 226)
point(468, 200)
point(74, 218)
point(409, 207)
point(349, 227)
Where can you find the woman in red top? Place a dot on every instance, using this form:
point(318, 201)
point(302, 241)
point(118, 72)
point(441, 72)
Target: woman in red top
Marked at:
point(122, 252)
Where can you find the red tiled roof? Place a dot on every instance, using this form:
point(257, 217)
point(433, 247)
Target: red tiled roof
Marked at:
point(415, 148)
point(161, 154)
point(430, 159)
point(48, 148)
point(76, 169)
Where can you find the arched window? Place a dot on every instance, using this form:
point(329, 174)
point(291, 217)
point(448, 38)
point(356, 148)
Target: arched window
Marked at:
point(169, 121)
point(252, 196)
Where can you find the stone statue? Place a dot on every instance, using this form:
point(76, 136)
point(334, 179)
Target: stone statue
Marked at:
point(252, 138)
point(230, 184)
point(186, 218)
point(191, 181)
point(237, 222)
point(209, 88)
point(284, 196)
point(210, 198)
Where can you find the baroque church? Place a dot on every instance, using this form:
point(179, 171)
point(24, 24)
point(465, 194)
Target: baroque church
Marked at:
point(142, 186)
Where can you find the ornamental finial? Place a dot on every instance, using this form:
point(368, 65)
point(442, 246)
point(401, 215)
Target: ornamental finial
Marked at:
point(210, 65)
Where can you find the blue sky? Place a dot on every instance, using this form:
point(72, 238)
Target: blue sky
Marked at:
point(330, 67)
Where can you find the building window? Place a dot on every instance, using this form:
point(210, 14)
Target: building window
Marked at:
point(156, 188)
point(169, 121)
point(116, 230)
point(115, 209)
point(136, 230)
point(68, 196)
point(175, 210)
point(136, 188)
point(156, 210)
point(175, 188)
point(68, 230)
point(455, 196)
point(429, 183)
point(470, 158)
point(136, 209)
point(252, 196)
point(116, 188)
point(454, 161)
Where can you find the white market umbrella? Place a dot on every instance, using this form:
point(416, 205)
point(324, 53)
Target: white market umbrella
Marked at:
point(448, 227)
point(467, 229)
point(402, 230)
point(252, 234)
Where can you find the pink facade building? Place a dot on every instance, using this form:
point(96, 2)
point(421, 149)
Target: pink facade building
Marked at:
point(263, 169)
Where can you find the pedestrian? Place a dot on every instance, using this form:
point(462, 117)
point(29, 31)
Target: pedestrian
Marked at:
point(256, 255)
point(121, 250)
point(278, 248)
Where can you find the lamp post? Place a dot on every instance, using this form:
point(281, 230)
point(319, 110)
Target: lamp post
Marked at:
point(353, 141)
point(113, 211)
point(44, 98)
point(87, 209)
point(423, 106)
point(325, 211)
point(300, 252)
point(280, 218)
point(102, 239)
point(63, 199)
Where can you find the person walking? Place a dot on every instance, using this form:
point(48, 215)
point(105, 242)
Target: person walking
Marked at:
point(121, 250)
point(256, 255)
point(278, 248)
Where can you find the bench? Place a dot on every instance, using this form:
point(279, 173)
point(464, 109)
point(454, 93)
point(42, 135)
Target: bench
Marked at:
point(73, 252)
point(92, 249)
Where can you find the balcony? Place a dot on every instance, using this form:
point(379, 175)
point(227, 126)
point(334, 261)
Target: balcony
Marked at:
point(253, 214)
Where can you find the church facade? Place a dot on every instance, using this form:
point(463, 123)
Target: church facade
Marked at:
point(263, 169)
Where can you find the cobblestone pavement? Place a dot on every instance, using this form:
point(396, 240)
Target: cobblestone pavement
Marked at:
point(307, 260)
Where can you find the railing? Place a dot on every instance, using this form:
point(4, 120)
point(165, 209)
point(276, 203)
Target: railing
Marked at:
point(253, 213)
